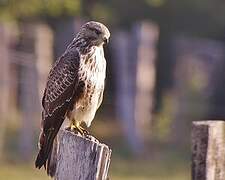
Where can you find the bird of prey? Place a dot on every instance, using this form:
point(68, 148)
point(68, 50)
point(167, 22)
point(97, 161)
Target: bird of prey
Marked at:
point(74, 88)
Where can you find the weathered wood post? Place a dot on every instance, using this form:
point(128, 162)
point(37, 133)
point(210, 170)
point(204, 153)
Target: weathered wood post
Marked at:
point(208, 150)
point(81, 158)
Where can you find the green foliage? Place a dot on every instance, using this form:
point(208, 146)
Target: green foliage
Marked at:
point(155, 3)
point(164, 118)
point(198, 16)
point(22, 9)
point(102, 12)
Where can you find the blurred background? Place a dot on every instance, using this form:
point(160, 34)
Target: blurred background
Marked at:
point(166, 61)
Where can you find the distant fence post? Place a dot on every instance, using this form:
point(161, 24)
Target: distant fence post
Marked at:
point(208, 150)
point(4, 82)
point(146, 35)
point(81, 158)
point(28, 88)
point(134, 69)
point(44, 54)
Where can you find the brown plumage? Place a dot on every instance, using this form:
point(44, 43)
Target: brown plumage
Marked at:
point(74, 89)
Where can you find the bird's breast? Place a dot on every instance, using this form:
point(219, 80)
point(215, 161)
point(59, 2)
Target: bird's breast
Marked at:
point(92, 74)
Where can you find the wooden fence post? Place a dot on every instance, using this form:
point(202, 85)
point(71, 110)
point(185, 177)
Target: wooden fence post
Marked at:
point(208, 150)
point(81, 158)
point(5, 76)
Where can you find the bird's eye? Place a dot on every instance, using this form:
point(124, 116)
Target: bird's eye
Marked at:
point(97, 32)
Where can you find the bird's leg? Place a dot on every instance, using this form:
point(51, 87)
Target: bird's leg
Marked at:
point(75, 126)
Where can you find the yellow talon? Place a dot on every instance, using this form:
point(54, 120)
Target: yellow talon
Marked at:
point(72, 127)
point(75, 126)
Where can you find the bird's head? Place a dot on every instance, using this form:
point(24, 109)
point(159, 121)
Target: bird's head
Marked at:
point(96, 32)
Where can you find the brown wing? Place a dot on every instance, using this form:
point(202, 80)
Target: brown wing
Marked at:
point(61, 87)
point(61, 91)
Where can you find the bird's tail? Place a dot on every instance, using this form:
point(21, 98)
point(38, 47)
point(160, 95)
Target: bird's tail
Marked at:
point(52, 160)
point(47, 152)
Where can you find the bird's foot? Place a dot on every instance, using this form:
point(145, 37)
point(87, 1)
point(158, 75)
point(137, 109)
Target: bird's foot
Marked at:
point(74, 129)
point(84, 131)
point(78, 130)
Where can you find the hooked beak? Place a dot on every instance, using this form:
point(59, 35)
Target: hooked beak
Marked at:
point(106, 40)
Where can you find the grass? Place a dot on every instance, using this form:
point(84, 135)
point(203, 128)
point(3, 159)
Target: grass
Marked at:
point(166, 167)
point(120, 170)
point(160, 161)
point(19, 171)
point(148, 170)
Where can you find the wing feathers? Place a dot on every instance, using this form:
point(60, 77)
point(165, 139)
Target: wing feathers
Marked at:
point(59, 96)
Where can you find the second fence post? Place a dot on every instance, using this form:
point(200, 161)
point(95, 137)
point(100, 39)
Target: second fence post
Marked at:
point(208, 150)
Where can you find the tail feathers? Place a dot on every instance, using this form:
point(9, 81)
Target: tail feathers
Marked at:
point(40, 160)
point(52, 160)
point(46, 143)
